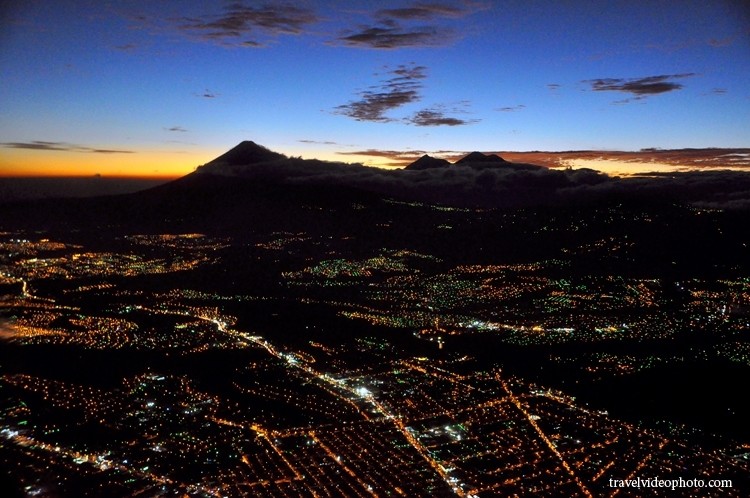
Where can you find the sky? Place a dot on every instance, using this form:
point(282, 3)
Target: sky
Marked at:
point(156, 88)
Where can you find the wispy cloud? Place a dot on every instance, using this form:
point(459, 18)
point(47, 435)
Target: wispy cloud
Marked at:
point(207, 94)
point(514, 108)
point(244, 25)
point(317, 142)
point(395, 37)
point(554, 86)
point(401, 88)
point(397, 28)
point(422, 12)
point(60, 146)
point(639, 87)
point(436, 116)
point(128, 47)
point(176, 128)
point(721, 42)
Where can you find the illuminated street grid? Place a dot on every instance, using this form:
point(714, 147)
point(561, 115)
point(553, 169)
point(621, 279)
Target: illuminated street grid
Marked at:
point(522, 305)
point(317, 419)
point(413, 430)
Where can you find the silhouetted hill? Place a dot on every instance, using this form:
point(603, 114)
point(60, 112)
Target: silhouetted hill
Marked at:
point(478, 157)
point(477, 160)
point(246, 152)
point(428, 162)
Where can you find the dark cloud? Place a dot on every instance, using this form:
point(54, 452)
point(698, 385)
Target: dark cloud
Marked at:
point(106, 151)
point(396, 37)
point(719, 91)
point(128, 47)
point(422, 12)
point(436, 117)
point(60, 146)
point(239, 24)
point(401, 89)
point(553, 86)
point(721, 42)
point(176, 128)
point(404, 87)
point(639, 87)
point(208, 94)
point(317, 142)
point(514, 108)
point(395, 28)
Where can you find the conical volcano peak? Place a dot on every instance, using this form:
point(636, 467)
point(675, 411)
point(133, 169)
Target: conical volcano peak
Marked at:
point(478, 157)
point(247, 152)
point(428, 162)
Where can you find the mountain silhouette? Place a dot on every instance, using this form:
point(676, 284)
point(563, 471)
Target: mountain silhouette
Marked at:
point(478, 157)
point(428, 162)
point(246, 152)
point(479, 161)
point(251, 188)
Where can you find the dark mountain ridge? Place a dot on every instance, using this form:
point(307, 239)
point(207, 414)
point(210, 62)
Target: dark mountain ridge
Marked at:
point(428, 162)
point(478, 157)
point(475, 160)
point(252, 185)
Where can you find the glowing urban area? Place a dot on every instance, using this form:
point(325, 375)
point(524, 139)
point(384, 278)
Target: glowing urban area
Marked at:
point(406, 248)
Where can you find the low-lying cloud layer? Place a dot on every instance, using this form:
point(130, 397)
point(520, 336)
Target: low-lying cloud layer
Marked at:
point(678, 160)
point(505, 185)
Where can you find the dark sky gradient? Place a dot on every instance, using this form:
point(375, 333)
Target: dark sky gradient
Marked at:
point(156, 88)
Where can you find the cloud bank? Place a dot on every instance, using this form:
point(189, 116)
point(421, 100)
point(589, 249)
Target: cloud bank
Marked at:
point(505, 185)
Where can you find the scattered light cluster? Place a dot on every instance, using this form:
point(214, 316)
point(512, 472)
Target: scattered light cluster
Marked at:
point(182, 390)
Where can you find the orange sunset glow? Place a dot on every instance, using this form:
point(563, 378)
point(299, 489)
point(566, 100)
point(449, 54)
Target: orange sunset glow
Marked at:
point(145, 163)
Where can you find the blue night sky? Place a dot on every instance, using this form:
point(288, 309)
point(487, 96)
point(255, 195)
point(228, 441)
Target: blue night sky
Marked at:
point(159, 87)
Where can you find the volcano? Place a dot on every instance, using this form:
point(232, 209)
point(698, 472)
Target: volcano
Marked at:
point(246, 152)
point(428, 162)
point(478, 157)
